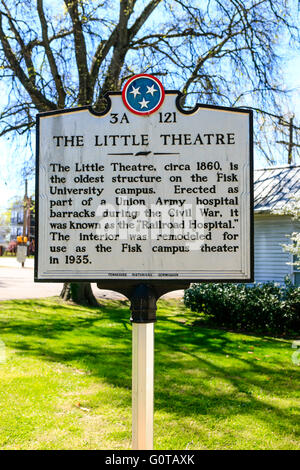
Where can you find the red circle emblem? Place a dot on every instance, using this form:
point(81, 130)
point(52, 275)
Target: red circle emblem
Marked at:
point(143, 94)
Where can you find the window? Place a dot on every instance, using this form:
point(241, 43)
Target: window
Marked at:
point(20, 217)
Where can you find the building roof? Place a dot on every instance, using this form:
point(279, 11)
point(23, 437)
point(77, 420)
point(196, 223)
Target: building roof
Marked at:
point(274, 187)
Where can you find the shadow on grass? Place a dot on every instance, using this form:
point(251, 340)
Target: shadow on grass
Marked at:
point(191, 363)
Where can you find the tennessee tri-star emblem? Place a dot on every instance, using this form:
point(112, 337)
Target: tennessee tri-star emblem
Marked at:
point(143, 94)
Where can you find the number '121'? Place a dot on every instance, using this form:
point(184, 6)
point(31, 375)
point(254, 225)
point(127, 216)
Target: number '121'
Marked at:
point(167, 117)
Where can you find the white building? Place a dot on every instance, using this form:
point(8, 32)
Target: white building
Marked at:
point(273, 188)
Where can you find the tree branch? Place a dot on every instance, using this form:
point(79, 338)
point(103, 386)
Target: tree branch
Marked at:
point(40, 101)
point(211, 53)
point(123, 40)
point(143, 18)
point(24, 49)
point(84, 94)
point(100, 55)
point(120, 48)
point(52, 63)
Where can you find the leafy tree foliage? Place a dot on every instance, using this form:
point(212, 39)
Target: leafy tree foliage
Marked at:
point(292, 209)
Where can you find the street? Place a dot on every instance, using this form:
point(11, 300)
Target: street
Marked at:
point(17, 283)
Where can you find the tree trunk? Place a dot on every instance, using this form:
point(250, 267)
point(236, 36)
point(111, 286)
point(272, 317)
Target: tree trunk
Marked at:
point(79, 292)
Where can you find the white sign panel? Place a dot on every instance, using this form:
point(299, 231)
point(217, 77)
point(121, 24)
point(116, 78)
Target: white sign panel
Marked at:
point(144, 190)
point(21, 253)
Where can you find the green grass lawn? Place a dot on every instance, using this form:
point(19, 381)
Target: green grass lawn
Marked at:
point(66, 381)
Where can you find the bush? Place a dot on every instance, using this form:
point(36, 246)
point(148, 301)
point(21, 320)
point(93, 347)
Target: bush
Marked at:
point(12, 247)
point(265, 308)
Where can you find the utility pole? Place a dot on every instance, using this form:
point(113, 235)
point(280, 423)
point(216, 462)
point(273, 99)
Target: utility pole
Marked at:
point(26, 206)
point(25, 211)
point(290, 144)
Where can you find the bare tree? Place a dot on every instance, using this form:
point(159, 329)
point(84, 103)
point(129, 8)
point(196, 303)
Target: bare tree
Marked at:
point(70, 53)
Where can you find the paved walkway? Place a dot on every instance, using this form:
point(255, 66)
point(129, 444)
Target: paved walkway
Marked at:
point(17, 283)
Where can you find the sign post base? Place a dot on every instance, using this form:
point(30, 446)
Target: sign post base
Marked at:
point(142, 385)
point(143, 309)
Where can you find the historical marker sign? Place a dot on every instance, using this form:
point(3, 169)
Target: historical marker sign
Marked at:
point(144, 190)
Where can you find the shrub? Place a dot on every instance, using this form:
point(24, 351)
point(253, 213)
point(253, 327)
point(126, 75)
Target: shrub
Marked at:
point(263, 307)
point(12, 247)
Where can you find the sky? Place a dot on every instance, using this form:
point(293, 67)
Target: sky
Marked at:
point(12, 185)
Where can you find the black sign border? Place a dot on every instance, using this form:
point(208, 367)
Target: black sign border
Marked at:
point(160, 285)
